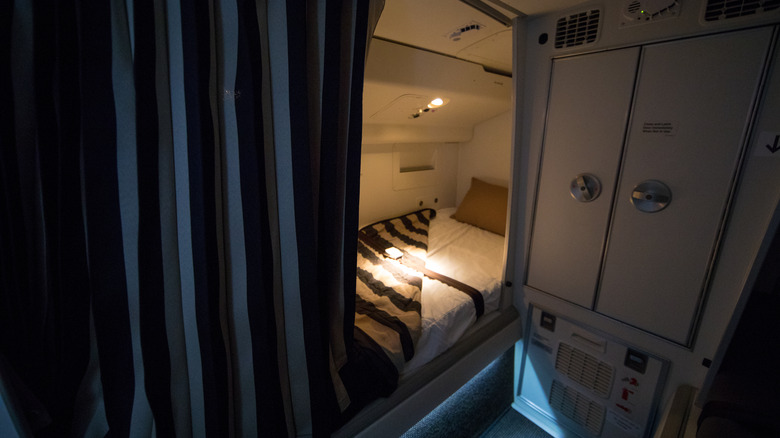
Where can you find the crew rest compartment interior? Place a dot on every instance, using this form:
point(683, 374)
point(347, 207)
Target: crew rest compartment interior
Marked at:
point(434, 184)
point(588, 189)
point(638, 145)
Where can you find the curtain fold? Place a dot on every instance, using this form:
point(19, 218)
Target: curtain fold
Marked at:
point(321, 92)
point(151, 272)
point(103, 218)
point(178, 179)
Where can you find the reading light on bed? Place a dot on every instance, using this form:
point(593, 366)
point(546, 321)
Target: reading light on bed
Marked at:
point(393, 252)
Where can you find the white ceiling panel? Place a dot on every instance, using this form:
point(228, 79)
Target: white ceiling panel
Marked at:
point(453, 28)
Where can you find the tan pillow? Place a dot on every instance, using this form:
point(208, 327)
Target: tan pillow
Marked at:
point(484, 206)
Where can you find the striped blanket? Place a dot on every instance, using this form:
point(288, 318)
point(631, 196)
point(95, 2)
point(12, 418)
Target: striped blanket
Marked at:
point(387, 303)
point(388, 321)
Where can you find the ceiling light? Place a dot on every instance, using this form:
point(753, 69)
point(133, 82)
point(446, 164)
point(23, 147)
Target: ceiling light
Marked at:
point(437, 102)
point(432, 106)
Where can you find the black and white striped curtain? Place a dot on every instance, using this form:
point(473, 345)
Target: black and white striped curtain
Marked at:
point(177, 181)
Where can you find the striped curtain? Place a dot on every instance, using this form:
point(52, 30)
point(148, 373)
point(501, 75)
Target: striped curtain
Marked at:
point(177, 181)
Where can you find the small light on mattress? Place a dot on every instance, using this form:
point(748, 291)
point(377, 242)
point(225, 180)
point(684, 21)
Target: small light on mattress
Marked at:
point(393, 252)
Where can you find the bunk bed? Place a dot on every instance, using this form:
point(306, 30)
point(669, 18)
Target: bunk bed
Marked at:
point(430, 304)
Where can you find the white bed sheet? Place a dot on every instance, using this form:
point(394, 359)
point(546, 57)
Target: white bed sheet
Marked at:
point(465, 253)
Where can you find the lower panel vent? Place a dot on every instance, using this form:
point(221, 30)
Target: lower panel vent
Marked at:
point(577, 407)
point(577, 29)
point(726, 9)
point(584, 369)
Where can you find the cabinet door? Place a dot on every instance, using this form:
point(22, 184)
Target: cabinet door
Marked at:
point(590, 98)
point(692, 108)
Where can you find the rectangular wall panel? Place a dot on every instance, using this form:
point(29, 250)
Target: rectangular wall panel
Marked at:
point(692, 108)
point(586, 382)
point(589, 103)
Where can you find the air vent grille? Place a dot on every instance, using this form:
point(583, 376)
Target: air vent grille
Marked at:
point(577, 407)
point(727, 9)
point(584, 369)
point(577, 29)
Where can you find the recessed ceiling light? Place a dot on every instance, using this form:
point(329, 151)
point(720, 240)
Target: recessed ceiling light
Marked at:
point(437, 102)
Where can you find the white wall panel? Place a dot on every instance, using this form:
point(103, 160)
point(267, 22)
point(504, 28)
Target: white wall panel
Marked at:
point(378, 199)
point(589, 103)
point(656, 263)
point(487, 155)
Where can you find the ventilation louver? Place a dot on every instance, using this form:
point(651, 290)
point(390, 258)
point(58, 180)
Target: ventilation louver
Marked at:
point(584, 369)
point(577, 407)
point(577, 29)
point(726, 9)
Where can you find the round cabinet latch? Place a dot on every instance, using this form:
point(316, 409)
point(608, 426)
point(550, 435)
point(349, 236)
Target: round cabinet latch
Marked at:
point(651, 196)
point(585, 187)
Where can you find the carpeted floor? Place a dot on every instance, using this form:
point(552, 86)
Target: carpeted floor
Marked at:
point(481, 408)
point(513, 424)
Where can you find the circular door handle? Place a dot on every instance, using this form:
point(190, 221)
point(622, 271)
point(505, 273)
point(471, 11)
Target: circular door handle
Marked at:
point(585, 187)
point(651, 196)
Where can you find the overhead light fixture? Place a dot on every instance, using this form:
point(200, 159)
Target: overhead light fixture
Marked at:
point(435, 103)
point(431, 107)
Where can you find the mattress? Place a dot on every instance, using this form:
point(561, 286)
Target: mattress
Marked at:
point(465, 253)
